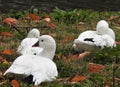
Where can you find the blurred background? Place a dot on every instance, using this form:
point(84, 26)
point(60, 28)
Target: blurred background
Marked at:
point(49, 5)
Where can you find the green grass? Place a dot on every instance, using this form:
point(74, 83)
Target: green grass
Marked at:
point(67, 24)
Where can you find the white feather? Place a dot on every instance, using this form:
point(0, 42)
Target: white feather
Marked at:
point(80, 45)
point(42, 69)
point(102, 28)
point(104, 41)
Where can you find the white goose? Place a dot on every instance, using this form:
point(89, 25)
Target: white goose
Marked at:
point(42, 68)
point(88, 40)
point(26, 44)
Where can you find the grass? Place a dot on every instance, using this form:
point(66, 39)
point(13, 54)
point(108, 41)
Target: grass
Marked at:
point(68, 24)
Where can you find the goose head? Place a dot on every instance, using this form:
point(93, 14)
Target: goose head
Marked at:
point(102, 27)
point(48, 44)
point(34, 33)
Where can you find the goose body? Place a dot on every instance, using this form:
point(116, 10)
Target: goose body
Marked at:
point(41, 67)
point(82, 44)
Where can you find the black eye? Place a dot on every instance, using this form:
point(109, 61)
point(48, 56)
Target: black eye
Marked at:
point(42, 40)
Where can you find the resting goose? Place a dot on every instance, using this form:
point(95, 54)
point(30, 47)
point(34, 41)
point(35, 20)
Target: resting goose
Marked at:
point(88, 40)
point(26, 44)
point(41, 67)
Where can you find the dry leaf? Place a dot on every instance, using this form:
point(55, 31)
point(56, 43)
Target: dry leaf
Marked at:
point(2, 43)
point(108, 83)
point(107, 86)
point(117, 79)
point(78, 78)
point(47, 19)
point(53, 34)
point(1, 73)
point(3, 82)
point(117, 42)
point(8, 34)
point(34, 17)
point(35, 86)
point(10, 21)
point(5, 61)
point(112, 18)
point(51, 25)
point(75, 56)
point(80, 24)
point(83, 55)
point(66, 39)
point(80, 56)
point(1, 59)
point(95, 68)
point(15, 83)
point(7, 51)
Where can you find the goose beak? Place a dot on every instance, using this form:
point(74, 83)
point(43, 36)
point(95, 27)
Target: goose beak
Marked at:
point(36, 44)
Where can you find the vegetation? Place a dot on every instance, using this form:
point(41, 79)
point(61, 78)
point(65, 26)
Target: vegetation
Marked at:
point(99, 68)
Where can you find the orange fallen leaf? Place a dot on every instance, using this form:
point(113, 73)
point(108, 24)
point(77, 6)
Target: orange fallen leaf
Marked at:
point(78, 78)
point(15, 83)
point(51, 25)
point(95, 68)
point(33, 17)
point(8, 34)
point(75, 56)
point(10, 21)
point(7, 51)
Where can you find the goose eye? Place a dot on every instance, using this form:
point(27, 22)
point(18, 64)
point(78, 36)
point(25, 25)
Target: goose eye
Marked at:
point(42, 40)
